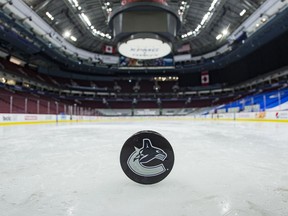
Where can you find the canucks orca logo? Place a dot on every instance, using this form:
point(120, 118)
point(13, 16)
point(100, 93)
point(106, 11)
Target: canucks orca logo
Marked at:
point(144, 155)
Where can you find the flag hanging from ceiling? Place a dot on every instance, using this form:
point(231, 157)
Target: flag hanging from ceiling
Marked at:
point(108, 49)
point(205, 78)
point(184, 48)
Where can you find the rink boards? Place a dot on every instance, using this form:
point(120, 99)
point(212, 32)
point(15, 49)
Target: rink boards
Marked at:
point(14, 119)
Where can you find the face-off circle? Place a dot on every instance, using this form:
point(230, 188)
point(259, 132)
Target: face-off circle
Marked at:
point(147, 157)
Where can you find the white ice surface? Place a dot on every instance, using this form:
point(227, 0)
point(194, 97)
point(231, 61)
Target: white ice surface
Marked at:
point(221, 168)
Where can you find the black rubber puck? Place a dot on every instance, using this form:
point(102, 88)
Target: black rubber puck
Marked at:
point(147, 157)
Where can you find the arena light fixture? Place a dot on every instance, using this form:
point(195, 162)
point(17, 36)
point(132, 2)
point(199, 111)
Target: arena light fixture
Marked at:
point(207, 16)
point(66, 34)
point(225, 32)
point(219, 36)
point(144, 29)
point(49, 15)
point(86, 19)
point(264, 19)
point(183, 6)
point(213, 4)
point(3, 80)
point(73, 38)
point(242, 12)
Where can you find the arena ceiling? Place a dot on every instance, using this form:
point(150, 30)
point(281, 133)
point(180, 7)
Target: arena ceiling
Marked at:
point(71, 18)
point(30, 37)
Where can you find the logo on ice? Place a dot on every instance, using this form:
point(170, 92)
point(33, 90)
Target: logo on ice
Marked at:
point(137, 160)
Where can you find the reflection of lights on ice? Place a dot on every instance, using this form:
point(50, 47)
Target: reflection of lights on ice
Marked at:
point(144, 48)
point(70, 211)
point(225, 207)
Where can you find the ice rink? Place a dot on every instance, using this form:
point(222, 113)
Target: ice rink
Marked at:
point(221, 169)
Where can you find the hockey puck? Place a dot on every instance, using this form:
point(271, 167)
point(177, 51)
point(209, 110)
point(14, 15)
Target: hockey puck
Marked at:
point(147, 157)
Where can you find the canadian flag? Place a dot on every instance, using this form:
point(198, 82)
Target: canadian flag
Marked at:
point(108, 49)
point(184, 48)
point(205, 78)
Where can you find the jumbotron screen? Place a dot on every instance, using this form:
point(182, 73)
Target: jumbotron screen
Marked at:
point(148, 21)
